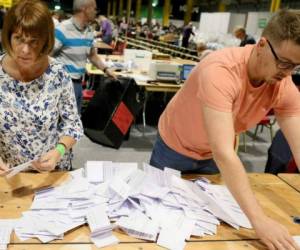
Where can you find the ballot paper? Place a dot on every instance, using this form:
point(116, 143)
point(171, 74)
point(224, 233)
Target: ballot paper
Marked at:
point(297, 239)
point(101, 229)
point(6, 227)
point(18, 169)
point(139, 226)
point(151, 204)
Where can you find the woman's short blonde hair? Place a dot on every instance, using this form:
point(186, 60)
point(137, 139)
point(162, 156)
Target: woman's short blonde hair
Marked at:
point(284, 25)
point(32, 18)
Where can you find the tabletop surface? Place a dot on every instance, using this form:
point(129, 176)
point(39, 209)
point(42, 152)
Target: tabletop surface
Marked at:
point(278, 199)
point(291, 179)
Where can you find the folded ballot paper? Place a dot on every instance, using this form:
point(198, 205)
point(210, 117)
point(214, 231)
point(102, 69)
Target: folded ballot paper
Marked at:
point(15, 170)
point(148, 203)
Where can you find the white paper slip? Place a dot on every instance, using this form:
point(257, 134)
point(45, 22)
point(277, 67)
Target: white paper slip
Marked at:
point(18, 169)
point(297, 239)
point(6, 227)
point(97, 218)
point(3, 246)
point(139, 226)
point(106, 241)
point(5, 235)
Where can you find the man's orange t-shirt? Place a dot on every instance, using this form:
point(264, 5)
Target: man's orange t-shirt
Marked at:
point(220, 81)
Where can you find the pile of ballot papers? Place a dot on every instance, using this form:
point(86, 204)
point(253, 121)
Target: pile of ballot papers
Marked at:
point(148, 204)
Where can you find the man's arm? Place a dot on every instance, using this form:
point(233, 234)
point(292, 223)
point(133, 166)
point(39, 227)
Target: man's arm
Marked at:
point(59, 42)
point(220, 131)
point(290, 127)
point(96, 60)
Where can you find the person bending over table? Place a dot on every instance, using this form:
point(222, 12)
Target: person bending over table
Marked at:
point(38, 115)
point(228, 92)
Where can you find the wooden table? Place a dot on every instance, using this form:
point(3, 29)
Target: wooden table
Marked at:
point(278, 199)
point(102, 47)
point(154, 87)
point(221, 245)
point(292, 179)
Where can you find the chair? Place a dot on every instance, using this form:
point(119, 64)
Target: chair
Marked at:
point(119, 47)
point(87, 95)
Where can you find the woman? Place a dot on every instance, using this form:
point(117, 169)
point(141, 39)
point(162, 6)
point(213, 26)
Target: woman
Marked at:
point(38, 115)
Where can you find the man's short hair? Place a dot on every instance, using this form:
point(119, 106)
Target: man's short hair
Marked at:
point(240, 30)
point(79, 4)
point(284, 25)
point(32, 18)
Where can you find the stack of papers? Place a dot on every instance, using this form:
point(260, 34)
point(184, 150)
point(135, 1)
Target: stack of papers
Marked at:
point(15, 170)
point(101, 229)
point(148, 204)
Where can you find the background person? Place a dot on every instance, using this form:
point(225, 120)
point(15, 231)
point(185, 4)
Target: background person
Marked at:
point(106, 29)
point(186, 34)
point(38, 115)
point(240, 33)
point(228, 92)
point(74, 45)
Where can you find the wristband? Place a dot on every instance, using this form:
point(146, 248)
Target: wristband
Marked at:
point(61, 148)
point(105, 69)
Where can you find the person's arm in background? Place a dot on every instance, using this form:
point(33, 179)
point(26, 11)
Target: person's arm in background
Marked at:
point(59, 41)
point(97, 61)
point(290, 127)
point(70, 126)
point(220, 131)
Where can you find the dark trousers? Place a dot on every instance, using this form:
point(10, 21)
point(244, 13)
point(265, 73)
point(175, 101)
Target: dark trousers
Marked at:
point(163, 156)
point(77, 84)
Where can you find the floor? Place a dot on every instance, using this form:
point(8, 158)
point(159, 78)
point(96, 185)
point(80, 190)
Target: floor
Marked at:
point(138, 149)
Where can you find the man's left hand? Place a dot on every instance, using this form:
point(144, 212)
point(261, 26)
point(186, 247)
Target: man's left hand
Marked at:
point(111, 73)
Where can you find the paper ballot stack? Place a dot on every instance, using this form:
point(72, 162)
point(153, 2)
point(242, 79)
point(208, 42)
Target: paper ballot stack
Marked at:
point(148, 204)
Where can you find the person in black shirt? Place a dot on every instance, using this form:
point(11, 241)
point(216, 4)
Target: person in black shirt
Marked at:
point(241, 34)
point(187, 32)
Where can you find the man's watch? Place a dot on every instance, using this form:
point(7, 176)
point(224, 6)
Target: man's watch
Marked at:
point(105, 69)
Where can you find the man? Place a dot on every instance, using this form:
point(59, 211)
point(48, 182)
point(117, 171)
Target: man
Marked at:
point(74, 44)
point(187, 32)
point(228, 92)
point(106, 29)
point(240, 33)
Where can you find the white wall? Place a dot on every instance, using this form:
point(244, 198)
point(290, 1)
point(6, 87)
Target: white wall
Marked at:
point(236, 20)
point(214, 22)
point(252, 26)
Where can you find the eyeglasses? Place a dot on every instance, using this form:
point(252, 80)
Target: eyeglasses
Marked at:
point(282, 64)
point(19, 40)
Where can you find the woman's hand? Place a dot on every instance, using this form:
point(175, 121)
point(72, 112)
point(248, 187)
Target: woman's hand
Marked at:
point(48, 161)
point(4, 168)
point(274, 235)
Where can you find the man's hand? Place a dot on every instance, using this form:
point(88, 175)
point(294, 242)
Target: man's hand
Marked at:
point(47, 162)
point(4, 168)
point(111, 73)
point(274, 235)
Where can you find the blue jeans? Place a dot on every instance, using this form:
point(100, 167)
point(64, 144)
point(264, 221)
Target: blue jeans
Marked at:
point(78, 95)
point(163, 156)
point(107, 39)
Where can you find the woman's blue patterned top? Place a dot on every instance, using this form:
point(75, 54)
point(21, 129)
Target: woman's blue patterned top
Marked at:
point(34, 115)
